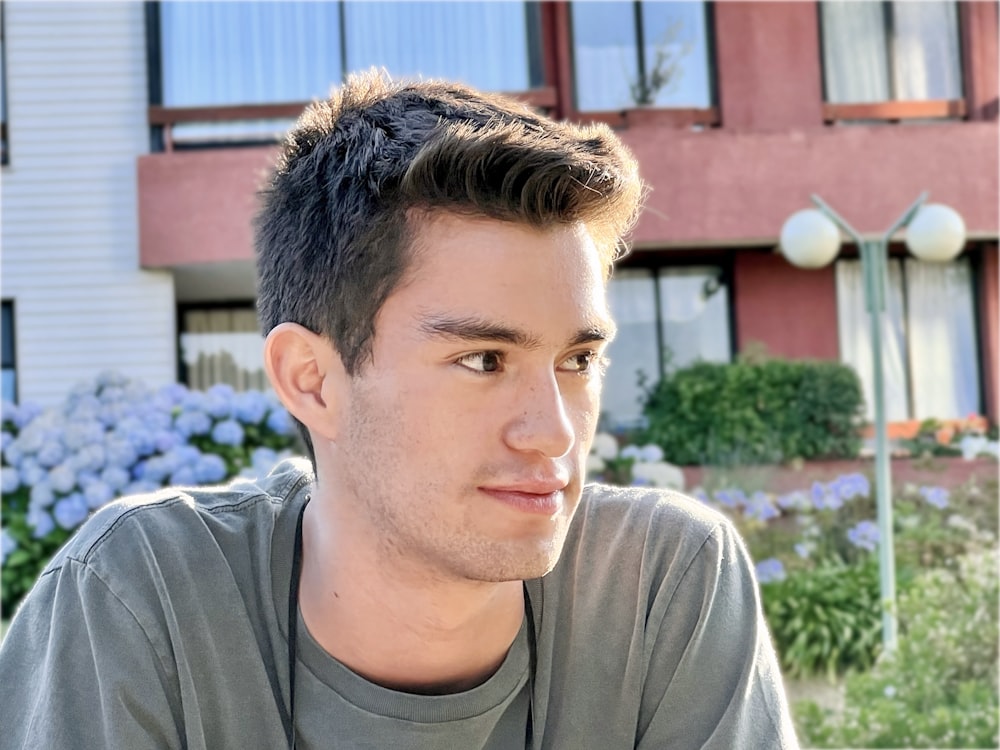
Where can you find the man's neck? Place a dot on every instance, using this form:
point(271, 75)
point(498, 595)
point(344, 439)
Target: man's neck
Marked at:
point(396, 625)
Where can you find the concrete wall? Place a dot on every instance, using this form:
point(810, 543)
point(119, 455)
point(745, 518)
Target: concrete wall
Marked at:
point(76, 98)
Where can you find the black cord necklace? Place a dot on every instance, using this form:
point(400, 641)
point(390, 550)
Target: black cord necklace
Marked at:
point(293, 627)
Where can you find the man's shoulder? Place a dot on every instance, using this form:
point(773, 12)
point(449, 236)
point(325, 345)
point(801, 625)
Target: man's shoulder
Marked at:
point(660, 513)
point(174, 516)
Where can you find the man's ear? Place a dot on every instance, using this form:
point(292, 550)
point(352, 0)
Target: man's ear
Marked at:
point(308, 376)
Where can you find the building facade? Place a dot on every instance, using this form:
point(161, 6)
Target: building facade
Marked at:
point(130, 246)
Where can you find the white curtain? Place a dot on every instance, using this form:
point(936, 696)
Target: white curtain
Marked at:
point(854, 327)
point(928, 57)
point(926, 60)
point(483, 44)
point(943, 352)
point(221, 53)
point(632, 302)
point(855, 67)
point(695, 314)
point(223, 346)
point(605, 53)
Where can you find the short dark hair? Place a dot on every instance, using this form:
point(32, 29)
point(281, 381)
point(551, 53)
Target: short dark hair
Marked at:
point(335, 228)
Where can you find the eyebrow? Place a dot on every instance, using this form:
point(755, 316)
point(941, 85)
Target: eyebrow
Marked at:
point(480, 329)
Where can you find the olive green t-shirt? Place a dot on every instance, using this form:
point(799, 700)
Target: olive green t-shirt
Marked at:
point(163, 624)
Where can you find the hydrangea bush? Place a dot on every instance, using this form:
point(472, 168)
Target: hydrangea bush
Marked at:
point(635, 465)
point(113, 437)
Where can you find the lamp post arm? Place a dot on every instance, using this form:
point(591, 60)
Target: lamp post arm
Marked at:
point(838, 220)
point(905, 219)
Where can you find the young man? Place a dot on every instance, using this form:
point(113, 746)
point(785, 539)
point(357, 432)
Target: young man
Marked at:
point(432, 267)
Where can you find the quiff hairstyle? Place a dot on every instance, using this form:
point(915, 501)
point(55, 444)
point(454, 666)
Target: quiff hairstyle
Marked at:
point(359, 170)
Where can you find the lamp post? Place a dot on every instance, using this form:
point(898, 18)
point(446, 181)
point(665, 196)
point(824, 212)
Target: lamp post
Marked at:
point(811, 239)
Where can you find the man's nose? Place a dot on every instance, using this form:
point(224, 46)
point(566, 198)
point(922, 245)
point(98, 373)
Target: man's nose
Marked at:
point(541, 423)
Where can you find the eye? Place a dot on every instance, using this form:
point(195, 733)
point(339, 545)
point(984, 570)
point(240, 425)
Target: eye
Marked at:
point(581, 362)
point(482, 362)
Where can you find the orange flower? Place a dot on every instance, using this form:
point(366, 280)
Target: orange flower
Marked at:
point(944, 435)
point(976, 424)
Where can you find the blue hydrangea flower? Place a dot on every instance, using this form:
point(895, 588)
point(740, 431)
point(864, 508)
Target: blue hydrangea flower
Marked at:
point(803, 550)
point(220, 400)
point(936, 496)
point(796, 500)
point(10, 480)
point(78, 434)
point(189, 423)
point(194, 401)
point(172, 394)
point(97, 494)
point(39, 521)
point(184, 476)
point(63, 478)
point(116, 477)
point(210, 468)
point(228, 432)
point(249, 407)
point(71, 511)
point(140, 487)
point(631, 451)
point(51, 454)
point(31, 471)
point(90, 458)
point(279, 421)
point(123, 452)
point(819, 495)
point(41, 495)
point(5, 439)
point(651, 453)
point(111, 379)
point(770, 570)
point(166, 440)
point(24, 414)
point(864, 535)
point(8, 544)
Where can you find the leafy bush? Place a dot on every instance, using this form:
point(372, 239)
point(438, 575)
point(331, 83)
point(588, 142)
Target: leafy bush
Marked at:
point(756, 412)
point(940, 688)
point(827, 618)
point(114, 437)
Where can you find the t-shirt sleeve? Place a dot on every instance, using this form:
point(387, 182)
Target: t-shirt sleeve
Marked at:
point(77, 670)
point(713, 679)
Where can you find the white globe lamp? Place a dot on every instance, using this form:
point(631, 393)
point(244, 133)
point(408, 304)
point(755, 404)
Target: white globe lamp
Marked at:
point(809, 239)
point(936, 233)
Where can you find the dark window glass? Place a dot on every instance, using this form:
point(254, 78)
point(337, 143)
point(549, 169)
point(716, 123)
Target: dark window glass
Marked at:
point(7, 345)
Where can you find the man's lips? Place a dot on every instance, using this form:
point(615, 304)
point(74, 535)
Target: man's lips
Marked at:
point(543, 498)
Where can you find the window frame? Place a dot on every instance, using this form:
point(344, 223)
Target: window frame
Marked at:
point(677, 117)
point(4, 114)
point(895, 110)
point(8, 305)
point(162, 118)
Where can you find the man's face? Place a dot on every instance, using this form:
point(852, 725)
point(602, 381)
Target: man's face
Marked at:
point(465, 439)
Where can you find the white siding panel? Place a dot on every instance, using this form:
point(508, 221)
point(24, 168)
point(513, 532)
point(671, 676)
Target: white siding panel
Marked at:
point(69, 253)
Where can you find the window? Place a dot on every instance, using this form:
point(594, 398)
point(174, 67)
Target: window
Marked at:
point(7, 345)
point(890, 51)
point(3, 90)
point(630, 54)
point(929, 338)
point(232, 53)
point(667, 318)
point(222, 345)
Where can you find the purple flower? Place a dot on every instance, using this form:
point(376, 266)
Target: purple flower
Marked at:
point(936, 496)
point(818, 495)
point(797, 500)
point(228, 432)
point(71, 511)
point(770, 570)
point(761, 507)
point(803, 550)
point(864, 535)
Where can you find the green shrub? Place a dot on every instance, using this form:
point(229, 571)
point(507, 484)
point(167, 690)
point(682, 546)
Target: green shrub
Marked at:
point(940, 687)
point(827, 618)
point(756, 412)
